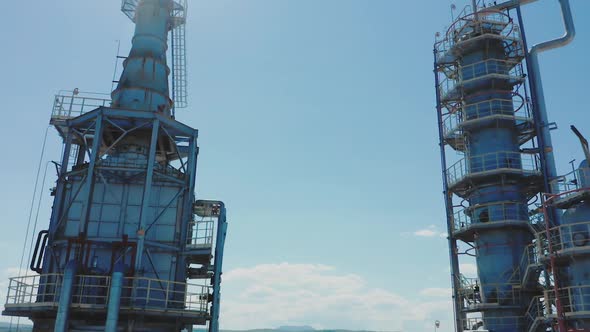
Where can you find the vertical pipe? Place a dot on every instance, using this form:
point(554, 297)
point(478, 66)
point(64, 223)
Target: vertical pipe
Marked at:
point(219, 245)
point(146, 195)
point(448, 207)
point(539, 96)
point(65, 297)
point(115, 298)
point(540, 140)
point(536, 118)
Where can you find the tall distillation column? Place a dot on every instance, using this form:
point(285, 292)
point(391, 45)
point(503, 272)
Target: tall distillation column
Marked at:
point(484, 118)
point(126, 231)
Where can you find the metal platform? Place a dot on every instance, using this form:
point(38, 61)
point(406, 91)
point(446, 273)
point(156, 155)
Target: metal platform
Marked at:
point(39, 295)
point(465, 173)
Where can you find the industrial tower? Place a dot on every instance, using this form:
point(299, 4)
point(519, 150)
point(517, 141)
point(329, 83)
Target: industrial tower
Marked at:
point(527, 228)
point(126, 232)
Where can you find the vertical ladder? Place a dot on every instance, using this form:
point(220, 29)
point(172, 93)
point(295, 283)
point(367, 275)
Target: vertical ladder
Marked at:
point(179, 80)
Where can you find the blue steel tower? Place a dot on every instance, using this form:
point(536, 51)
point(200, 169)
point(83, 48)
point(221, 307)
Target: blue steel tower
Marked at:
point(485, 118)
point(126, 231)
point(526, 228)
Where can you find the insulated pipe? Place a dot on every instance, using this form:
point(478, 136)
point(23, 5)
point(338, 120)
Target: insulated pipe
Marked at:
point(65, 297)
point(115, 298)
point(541, 107)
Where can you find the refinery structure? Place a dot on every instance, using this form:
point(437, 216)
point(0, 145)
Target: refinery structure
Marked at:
point(129, 247)
point(526, 227)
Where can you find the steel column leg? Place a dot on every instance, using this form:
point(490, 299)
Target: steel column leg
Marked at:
point(146, 195)
point(89, 185)
point(65, 297)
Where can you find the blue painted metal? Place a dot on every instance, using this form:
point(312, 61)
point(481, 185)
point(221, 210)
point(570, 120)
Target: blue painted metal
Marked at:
point(115, 291)
point(499, 250)
point(123, 208)
point(144, 82)
point(65, 297)
point(221, 234)
point(574, 275)
point(570, 249)
point(88, 187)
point(146, 197)
point(489, 189)
point(491, 202)
point(536, 117)
point(537, 85)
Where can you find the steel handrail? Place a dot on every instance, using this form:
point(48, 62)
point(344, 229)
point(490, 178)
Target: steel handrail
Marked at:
point(490, 162)
point(200, 233)
point(492, 67)
point(77, 104)
point(485, 109)
point(496, 212)
point(144, 292)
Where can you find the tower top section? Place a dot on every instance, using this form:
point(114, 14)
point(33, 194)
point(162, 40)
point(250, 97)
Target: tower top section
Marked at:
point(144, 84)
point(178, 14)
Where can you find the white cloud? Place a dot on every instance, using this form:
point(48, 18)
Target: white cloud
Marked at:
point(427, 232)
point(430, 231)
point(270, 295)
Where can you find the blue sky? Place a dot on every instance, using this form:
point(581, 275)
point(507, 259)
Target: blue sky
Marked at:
point(317, 128)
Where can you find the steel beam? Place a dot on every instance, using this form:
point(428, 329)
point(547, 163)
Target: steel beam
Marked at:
point(146, 195)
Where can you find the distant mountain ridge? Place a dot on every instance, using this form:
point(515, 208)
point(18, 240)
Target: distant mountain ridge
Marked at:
point(304, 328)
point(296, 328)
